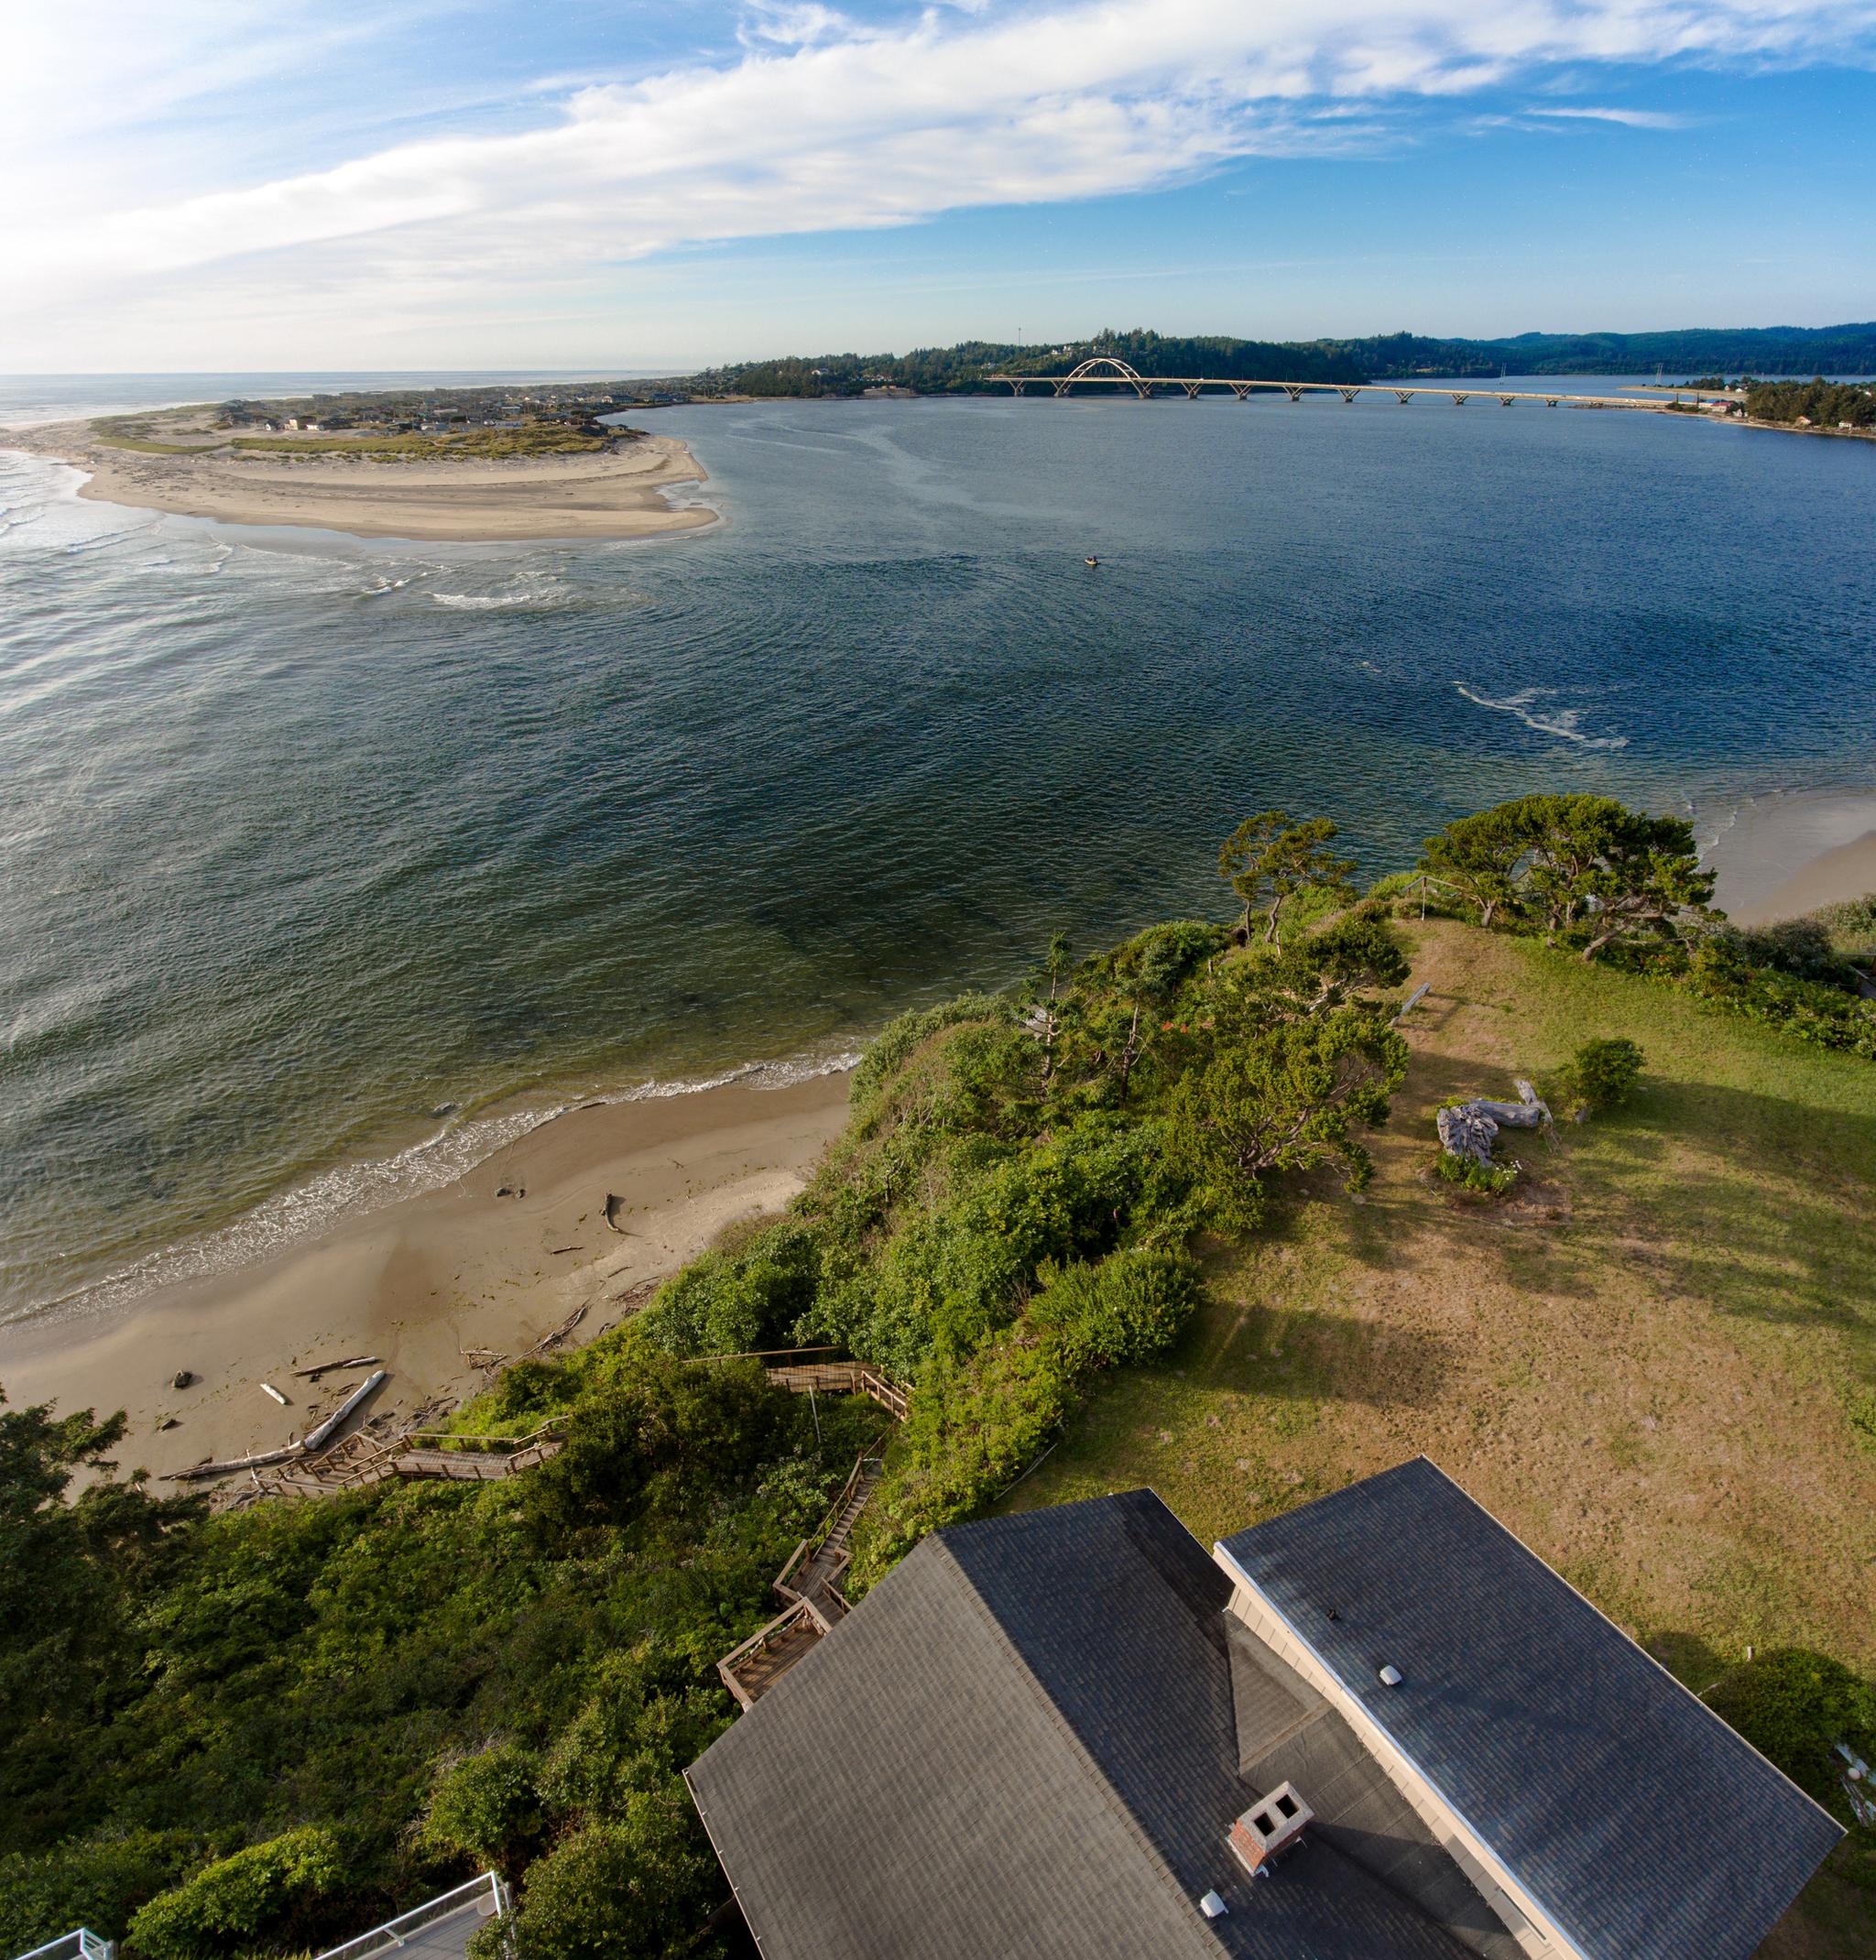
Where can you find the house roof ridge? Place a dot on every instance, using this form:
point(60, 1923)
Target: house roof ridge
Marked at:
point(1206, 1943)
point(1531, 1553)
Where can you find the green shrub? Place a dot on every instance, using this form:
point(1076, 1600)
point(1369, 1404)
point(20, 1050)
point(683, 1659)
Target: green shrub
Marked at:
point(1851, 925)
point(483, 1807)
point(641, 1884)
point(734, 1304)
point(968, 1432)
point(1489, 1181)
point(95, 1882)
point(896, 1042)
point(649, 1713)
point(1126, 1309)
point(1794, 1705)
point(1808, 1010)
point(264, 1897)
point(1601, 1075)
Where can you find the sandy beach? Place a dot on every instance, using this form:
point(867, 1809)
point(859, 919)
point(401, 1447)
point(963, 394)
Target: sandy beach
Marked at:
point(616, 493)
point(419, 1282)
point(1779, 856)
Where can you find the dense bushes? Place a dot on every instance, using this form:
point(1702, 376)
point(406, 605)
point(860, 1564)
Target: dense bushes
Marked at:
point(1793, 1706)
point(266, 1898)
point(443, 1676)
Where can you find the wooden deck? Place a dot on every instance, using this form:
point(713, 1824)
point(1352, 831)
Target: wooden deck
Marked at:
point(749, 1671)
point(840, 1378)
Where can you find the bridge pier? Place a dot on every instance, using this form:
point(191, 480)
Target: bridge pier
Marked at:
point(1347, 395)
point(1192, 388)
point(1241, 389)
point(1505, 401)
point(1550, 401)
point(1295, 393)
point(1403, 396)
point(1060, 390)
point(1459, 402)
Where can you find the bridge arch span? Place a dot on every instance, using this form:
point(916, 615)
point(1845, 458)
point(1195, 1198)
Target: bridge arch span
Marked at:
point(1105, 367)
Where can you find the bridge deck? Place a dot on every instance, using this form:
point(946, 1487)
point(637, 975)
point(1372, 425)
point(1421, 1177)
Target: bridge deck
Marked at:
point(1105, 371)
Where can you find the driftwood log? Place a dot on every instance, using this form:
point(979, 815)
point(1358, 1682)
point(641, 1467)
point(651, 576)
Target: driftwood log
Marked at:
point(1469, 1129)
point(327, 1368)
point(317, 1439)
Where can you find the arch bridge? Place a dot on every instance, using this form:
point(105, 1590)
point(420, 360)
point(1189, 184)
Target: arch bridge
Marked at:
point(1107, 370)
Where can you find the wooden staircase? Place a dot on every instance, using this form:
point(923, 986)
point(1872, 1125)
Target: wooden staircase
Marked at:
point(810, 1584)
point(364, 1459)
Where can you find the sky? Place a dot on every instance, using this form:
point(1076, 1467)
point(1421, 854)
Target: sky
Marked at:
point(638, 187)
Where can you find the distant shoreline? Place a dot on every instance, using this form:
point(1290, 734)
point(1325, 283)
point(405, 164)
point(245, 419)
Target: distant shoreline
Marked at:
point(613, 494)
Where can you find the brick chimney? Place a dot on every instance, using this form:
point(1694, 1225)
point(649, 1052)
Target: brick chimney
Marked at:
point(1268, 1828)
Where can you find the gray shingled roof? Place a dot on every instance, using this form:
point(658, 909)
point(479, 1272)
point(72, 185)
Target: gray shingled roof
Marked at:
point(1022, 1743)
point(1638, 1818)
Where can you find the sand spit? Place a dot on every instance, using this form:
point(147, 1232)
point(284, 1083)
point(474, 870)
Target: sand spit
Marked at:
point(614, 493)
point(425, 1284)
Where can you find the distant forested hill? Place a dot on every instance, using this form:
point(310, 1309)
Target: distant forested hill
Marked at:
point(964, 368)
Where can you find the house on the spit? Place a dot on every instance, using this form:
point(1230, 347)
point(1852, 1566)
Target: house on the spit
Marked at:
point(1376, 1728)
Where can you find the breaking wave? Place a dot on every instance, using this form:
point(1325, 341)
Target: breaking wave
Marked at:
point(1562, 722)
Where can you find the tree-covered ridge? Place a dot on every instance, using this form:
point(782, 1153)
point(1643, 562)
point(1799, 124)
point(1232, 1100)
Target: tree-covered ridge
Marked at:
point(253, 1732)
point(966, 368)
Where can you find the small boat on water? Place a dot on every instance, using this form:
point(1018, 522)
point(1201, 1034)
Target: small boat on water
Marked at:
point(1091, 561)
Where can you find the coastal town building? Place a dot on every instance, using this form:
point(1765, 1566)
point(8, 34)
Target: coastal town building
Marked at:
point(1376, 1725)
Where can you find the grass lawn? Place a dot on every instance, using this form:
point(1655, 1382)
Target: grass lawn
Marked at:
point(1656, 1363)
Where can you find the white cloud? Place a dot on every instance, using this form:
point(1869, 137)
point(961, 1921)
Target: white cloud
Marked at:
point(1629, 118)
point(818, 124)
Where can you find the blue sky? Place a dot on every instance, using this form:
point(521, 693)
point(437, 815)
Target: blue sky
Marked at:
point(462, 183)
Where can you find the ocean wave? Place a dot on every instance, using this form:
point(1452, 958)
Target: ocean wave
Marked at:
point(356, 1190)
point(1559, 722)
point(471, 601)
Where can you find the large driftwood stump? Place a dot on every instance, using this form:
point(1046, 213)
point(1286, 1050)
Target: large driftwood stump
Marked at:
point(1469, 1129)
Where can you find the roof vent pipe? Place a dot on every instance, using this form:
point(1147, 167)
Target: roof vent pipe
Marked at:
point(1391, 1676)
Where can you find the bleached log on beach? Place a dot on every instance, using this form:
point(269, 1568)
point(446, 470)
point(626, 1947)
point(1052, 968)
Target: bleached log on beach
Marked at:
point(266, 1387)
point(331, 1368)
point(1471, 1129)
point(317, 1439)
point(197, 1473)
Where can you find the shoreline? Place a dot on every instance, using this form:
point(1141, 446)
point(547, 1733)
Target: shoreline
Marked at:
point(1789, 852)
point(423, 1283)
point(614, 494)
point(455, 1267)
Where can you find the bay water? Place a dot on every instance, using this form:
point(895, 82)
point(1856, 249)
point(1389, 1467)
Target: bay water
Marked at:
point(327, 864)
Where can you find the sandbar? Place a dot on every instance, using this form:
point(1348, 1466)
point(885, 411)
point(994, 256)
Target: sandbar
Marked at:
point(614, 493)
point(426, 1282)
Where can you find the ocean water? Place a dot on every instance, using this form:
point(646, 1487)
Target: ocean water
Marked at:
point(327, 864)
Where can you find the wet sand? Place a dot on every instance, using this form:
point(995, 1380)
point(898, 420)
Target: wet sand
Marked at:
point(418, 1282)
point(616, 493)
point(1780, 856)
